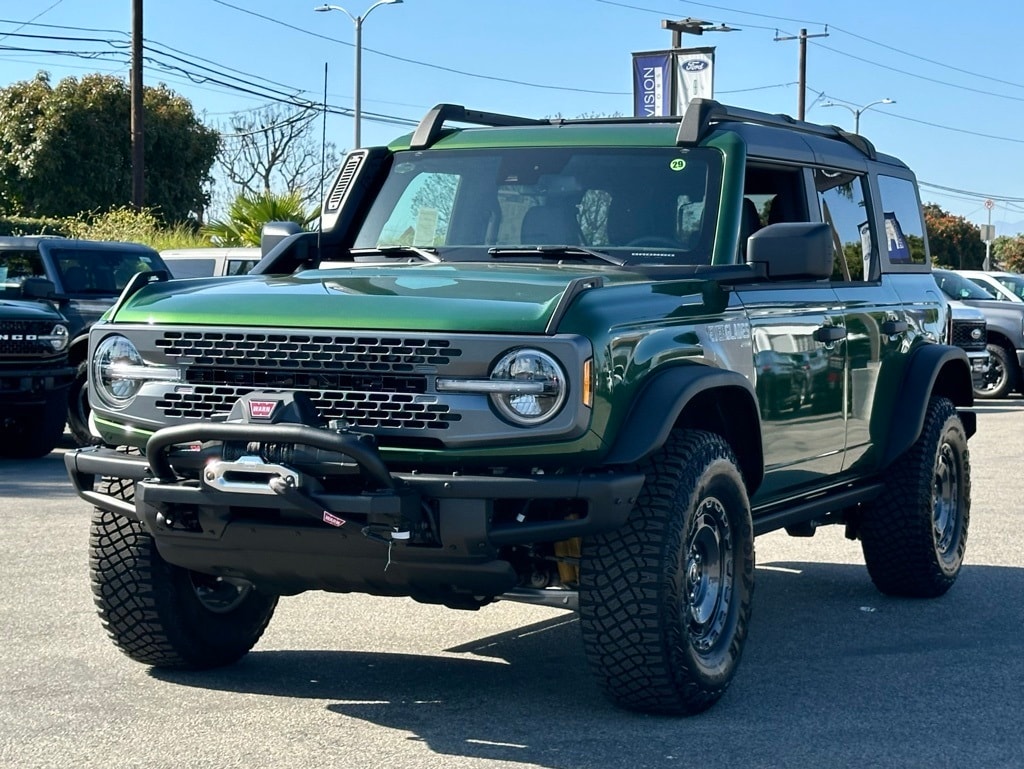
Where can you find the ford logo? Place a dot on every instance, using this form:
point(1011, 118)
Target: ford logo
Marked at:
point(694, 65)
point(976, 334)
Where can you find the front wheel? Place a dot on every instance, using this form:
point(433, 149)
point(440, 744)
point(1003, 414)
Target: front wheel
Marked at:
point(665, 600)
point(34, 431)
point(998, 381)
point(160, 614)
point(914, 535)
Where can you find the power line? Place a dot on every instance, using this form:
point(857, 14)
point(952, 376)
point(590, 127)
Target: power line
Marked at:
point(26, 23)
point(416, 62)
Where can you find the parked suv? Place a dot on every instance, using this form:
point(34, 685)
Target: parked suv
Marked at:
point(538, 377)
point(87, 276)
point(34, 369)
point(1004, 331)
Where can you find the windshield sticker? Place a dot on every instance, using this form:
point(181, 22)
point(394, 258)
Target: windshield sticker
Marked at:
point(677, 165)
point(404, 168)
point(426, 227)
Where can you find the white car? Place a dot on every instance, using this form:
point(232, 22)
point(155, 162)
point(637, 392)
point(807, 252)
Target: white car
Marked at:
point(206, 262)
point(1001, 285)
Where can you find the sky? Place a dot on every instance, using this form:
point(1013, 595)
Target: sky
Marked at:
point(955, 77)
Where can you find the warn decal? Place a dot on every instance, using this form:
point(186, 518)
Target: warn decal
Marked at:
point(262, 409)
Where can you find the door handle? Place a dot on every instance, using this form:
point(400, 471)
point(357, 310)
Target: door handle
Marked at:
point(892, 327)
point(829, 334)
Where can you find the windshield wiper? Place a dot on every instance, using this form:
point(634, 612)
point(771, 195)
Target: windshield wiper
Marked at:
point(555, 252)
point(392, 252)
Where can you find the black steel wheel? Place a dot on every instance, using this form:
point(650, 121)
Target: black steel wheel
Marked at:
point(34, 431)
point(999, 379)
point(915, 534)
point(665, 600)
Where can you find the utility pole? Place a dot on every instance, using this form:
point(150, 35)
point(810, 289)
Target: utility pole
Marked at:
point(138, 154)
point(802, 37)
point(989, 235)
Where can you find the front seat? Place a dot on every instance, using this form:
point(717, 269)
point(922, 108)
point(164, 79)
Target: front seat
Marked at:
point(554, 224)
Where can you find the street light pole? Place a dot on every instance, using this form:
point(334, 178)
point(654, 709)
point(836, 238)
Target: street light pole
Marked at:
point(357, 21)
point(856, 111)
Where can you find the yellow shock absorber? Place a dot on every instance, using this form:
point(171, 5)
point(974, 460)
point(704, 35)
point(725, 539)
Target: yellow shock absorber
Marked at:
point(568, 554)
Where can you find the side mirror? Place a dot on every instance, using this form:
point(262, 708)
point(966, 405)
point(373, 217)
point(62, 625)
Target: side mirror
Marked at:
point(38, 288)
point(793, 250)
point(274, 232)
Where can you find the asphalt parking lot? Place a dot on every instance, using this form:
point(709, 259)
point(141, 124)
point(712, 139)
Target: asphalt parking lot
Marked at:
point(834, 674)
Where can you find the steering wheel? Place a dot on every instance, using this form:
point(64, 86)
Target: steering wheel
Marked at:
point(654, 241)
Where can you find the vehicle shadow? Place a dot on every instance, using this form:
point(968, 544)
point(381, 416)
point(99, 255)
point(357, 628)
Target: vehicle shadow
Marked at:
point(834, 674)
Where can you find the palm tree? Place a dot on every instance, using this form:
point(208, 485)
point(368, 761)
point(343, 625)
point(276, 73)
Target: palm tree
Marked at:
point(248, 213)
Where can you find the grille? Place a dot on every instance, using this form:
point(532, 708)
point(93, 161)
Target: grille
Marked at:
point(301, 352)
point(962, 334)
point(372, 382)
point(366, 410)
point(16, 338)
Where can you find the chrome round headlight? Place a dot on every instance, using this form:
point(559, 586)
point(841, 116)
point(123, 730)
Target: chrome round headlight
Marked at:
point(112, 365)
point(58, 337)
point(530, 386)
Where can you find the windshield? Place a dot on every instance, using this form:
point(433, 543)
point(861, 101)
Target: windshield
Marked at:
point(958, 287)
point(100, 272)
point(652, 205)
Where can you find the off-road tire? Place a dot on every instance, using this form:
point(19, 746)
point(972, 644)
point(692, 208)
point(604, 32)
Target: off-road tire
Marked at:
point(78, 406)
point(659, 633)
point(914, 535)
point(152, 610)
point(35, 432)
point(1001, 377)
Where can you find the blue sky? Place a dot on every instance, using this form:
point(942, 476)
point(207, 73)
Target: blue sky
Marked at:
point(953, 71)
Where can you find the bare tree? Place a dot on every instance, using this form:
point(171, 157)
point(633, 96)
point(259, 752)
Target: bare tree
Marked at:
point(276, 149)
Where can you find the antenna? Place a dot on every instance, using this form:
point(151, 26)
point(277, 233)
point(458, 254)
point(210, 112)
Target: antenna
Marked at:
point(323, 165)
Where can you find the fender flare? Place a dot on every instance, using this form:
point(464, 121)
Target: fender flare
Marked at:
point(922, 377)
point(659, 403)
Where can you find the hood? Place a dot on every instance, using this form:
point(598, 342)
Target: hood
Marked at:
point(436, 297)
point(962, 311)
point(14, 309)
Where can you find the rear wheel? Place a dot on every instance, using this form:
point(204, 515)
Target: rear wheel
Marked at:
point(160, 614)
point(665, 600)
point(915, 533)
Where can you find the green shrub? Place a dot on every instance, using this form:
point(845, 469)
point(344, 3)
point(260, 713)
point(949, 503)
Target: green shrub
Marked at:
point(136, 226)
point(21, 225)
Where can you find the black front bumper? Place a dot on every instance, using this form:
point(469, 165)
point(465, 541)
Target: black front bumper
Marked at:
point(271, 529)
point(26, 386)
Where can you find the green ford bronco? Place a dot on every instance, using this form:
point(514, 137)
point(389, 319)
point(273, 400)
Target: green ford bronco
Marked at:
point(580, 363)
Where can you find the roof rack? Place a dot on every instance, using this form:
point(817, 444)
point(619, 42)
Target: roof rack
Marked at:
point(429, 129)
point(701, 114)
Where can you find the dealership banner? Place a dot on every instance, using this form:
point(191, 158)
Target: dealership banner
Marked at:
point(652, 84)
point(695, 76)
